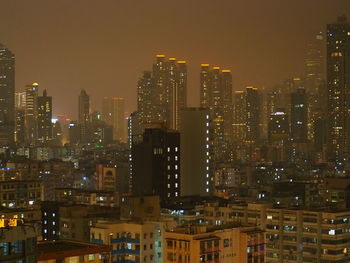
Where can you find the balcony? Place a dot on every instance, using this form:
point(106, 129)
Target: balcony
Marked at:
point(125, 240)
point(96, 241)
point(125, 251)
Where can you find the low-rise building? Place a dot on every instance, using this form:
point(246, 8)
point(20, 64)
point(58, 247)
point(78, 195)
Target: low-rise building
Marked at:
point(131, 241)
point(21, 193)
point(71, 221)
point(18, 241)
point(226, 243)
point(87, 197)
point(292, 235)
point(67, 251)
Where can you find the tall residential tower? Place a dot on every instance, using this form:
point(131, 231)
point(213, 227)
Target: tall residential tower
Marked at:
point(338, 82)
point(162, 92)
point(83, 116)
point(7, 93)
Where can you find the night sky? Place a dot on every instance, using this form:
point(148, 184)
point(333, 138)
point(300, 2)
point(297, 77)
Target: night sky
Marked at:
point(103, 46)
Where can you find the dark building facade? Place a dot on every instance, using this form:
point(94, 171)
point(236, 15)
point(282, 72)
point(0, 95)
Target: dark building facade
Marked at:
point(31, 113)
point(44, 110)
point(84, 116)
point(156, 164)
point(278, 127)
point(19, 126)
point(338, 82)
point(196, 165)
point(252, 111)
point(299, 113)
point(7, 95)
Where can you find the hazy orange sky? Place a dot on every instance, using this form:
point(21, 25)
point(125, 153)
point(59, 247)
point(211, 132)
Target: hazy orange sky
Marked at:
point(103, 46)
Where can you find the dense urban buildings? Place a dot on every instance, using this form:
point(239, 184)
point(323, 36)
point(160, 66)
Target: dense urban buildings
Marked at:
point(250, 174)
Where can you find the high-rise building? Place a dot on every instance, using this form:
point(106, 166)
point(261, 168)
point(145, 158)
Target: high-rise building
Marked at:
point(278, 128)
point(196, 166)
point(338, 82)
point(84, 116)
point(20, 131)
point(113, 114)
point(57, 135)
point(135, 136)
point(252, 111)
point(299, 115)
point(44, 111)
point(315, 80)
point(320, 133)
point(176, 81)
point(239, 116)
point(73, 132)
point(226, 84)
point(156, 164)
point(147, 99)
point(7, 93)
point(216, 95)
point(31, 113)
point(20, 100)
point(162, 93)
point(205, 85)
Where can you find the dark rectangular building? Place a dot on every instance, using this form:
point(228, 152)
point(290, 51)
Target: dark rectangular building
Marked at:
point(156, 164)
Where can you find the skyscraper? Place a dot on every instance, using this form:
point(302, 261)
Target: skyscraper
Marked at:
point(226, 84)
point(83, 116)
point(205, 85)
point(156, 164)
point(252, 111)
point(315, 80)
point(162, 93)
point(44, 110)
point(31, 113)
point(216, 95)
point(299, 115)
point(147, 99)
point(278, 127)
point(196, 166)
point(177, 91)
point(113, 114)
point(20, 131)
point(20, 100)
point(338, 82)
point(7, 93)
point(239, 117)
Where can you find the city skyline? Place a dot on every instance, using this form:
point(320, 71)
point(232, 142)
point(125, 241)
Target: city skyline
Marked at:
point(236, 150)
point(105, 48)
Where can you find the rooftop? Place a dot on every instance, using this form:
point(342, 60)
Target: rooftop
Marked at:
point(67, 248)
